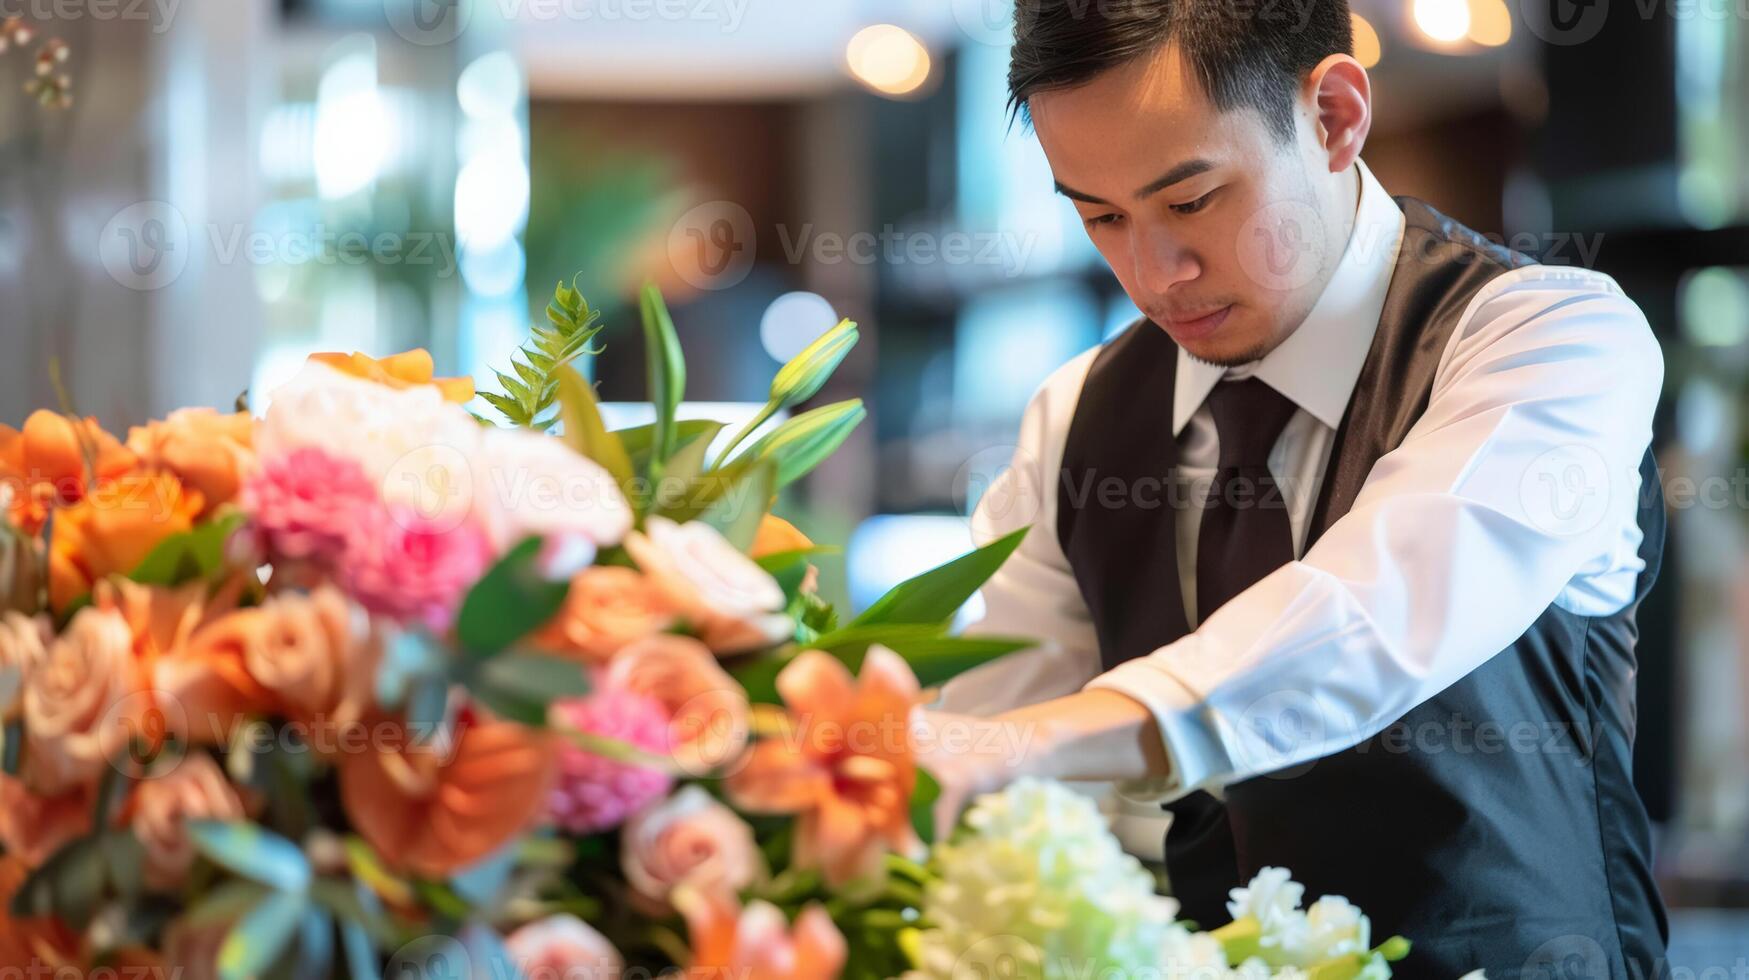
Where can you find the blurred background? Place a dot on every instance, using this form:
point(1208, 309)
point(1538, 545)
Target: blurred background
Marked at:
point(195, 194)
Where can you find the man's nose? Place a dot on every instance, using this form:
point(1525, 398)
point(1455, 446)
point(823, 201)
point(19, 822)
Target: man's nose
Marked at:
point(1162, 261)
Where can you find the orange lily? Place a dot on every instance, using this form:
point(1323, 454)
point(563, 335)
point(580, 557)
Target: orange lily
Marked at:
point(45, 464)
point(755, 943)
point(847, 767)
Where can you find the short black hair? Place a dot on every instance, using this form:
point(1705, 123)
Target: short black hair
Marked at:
point(1244, 52)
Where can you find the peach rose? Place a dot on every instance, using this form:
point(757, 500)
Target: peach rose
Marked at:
point(756, 943)
point(689, 839)
point(563, 947)
point(732, 603)
point(607, 607)
point(24, 643)
point(317, 657)
point(33, 826)
point(114, 528)
point(707, 709)
point(195, 789)
point(208, 451)
point(432, 811)
point(51, 461)
point(77, 718)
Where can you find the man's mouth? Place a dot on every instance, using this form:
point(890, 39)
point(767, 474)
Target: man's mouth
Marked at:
point(1195, 324)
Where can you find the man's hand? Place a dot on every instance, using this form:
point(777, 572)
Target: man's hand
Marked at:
point(970, 756)
point(1093, 735)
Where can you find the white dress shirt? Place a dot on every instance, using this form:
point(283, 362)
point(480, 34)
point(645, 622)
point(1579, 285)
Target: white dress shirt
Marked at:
point(1516, 489)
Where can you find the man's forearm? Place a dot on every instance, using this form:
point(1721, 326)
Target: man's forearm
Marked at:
point(1091, 735)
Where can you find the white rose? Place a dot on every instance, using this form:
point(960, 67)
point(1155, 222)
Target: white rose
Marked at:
point(526, 483)
point(733, 603)
point(415, 446)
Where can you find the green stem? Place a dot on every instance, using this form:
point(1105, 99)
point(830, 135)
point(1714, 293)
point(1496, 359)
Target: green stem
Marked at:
point(758, 420)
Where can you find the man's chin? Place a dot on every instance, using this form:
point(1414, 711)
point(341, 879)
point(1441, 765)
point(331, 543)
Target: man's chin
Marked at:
point(1225, 351)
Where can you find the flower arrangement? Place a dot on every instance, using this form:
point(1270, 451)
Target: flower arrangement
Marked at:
point(367, 684)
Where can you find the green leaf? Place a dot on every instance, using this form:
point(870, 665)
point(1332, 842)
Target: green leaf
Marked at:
point(759, 676)
point(936, 595)
point(666, 368)
point(256, 942)
point(254, 853)
point(520, 686)
point(340, 896)
point(68, 886)
point(804, 442)
point(923, 805)
point(779, 560)
point(510, 601)
point(196, 554)
point(224, 902)
point(933, 657)
point(585, 432)
point(125, 857)
point(739, 510)
point(639, 439)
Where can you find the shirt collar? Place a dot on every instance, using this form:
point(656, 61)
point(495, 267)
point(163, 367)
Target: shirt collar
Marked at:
point(1317, 365)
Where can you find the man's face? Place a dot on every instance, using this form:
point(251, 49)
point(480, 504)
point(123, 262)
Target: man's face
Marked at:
point(1221, 232)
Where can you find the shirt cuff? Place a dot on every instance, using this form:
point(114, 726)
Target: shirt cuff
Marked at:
point(1197, 755)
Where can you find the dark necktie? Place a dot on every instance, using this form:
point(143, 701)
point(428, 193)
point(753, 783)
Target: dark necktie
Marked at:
point(1245, 534)
point(1245, 531)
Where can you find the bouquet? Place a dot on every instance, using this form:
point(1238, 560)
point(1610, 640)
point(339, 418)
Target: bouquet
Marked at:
point(369, 684)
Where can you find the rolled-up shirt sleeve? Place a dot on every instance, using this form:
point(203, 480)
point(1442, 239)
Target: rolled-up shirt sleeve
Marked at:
point(1518, 488)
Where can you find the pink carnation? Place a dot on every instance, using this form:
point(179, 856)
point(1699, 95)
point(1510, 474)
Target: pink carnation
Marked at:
point(305, 502)
point(593, 793)
point(410, 567)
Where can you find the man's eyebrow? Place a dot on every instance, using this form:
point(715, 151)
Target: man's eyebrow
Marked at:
point(1184, 171)
point(1075, 195)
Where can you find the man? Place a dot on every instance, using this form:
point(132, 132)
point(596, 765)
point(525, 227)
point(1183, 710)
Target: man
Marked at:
point(1336, 553)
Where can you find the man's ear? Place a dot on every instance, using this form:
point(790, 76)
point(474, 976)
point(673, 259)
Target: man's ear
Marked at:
point(1341, 96)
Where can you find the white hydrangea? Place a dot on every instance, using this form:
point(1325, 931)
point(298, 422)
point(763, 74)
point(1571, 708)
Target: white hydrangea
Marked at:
point(1039, 888)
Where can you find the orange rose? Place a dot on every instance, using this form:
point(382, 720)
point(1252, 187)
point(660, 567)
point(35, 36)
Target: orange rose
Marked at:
point(409, 369)
point(205, 688)
point(607, 607)
point(430, 811)
point(34, 826)
point(54, 460)
point(114, 528)
point(309, 658)
point(195, 790)
point(205, 450)
point(78, 709)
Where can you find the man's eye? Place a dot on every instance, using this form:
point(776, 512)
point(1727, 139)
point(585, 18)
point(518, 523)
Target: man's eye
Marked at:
point(1102, 219)
point(1192, 207)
